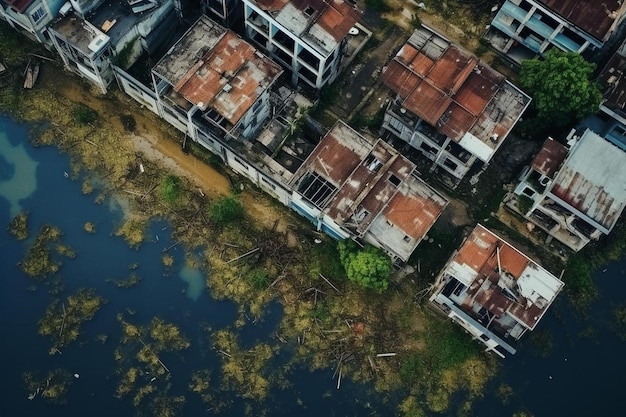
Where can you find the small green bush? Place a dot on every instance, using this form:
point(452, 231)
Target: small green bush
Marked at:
point(170, 188)
point(84, 115)
point(226, 210)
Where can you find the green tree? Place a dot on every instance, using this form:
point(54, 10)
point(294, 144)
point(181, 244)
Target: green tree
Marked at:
point(170, 188)
point(560, 85)
point(369, 267)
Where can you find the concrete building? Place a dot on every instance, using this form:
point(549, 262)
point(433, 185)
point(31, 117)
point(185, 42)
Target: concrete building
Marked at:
point(523, 29)
point(449, 106)
point(31, 17)
point(308, 37)
point(113, 34)
point(575, 195)
point(494, 291)
point(353, 187)
point(213, 81)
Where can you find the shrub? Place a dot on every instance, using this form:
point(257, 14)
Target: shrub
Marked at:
point(84, 115)
point(226, 210)
point(170, 188)
point(369, 267)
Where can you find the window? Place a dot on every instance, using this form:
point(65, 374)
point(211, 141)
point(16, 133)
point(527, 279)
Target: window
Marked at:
point(243, 164)
point(38, 14)
point(394, 180)
point(309, 11)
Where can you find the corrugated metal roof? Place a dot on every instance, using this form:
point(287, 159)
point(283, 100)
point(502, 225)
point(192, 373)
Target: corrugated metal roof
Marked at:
point(376, 191)
point(19, 5)
point(549, 158)
point(323, 24)
point(215, 69)
point(612, 79)
point(594, 17)
point(592, 180)
point(502, 279)
point(453, 91)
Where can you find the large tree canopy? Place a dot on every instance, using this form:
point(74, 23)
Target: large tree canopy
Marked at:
point(561, 87)
point(369, 267)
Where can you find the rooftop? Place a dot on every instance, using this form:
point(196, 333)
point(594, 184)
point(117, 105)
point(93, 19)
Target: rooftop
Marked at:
point(591, 180)
point(594, 17)
point(611, 79)
point(549, 158)
point(215, 69)
point(320, 23)
point(81, 34)
point(501, 279)
point(372, 189)
point(455, 92)
point(19, 5)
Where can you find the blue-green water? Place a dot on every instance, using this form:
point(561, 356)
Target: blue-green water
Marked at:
point(581, 375)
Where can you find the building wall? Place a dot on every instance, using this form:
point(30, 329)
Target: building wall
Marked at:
point(306, 64)
point(35, 19)
point(538, 29)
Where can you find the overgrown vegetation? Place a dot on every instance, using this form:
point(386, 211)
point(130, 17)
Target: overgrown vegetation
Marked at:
point(19, 226)
point(170, 188)
point(84, 115)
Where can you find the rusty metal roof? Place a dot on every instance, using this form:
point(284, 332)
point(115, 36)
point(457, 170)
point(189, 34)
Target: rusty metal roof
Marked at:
point(215, 69)
point(377, 194)
point(322, 24)
point(502, 279)
point(591, 180)
point(549, 158)
point(453, 91)
point(594, 17)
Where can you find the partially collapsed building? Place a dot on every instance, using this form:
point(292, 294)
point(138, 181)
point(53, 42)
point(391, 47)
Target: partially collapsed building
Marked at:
point(494, 291)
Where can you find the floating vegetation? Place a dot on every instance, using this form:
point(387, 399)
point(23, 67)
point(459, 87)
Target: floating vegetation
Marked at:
point(243, 370)
point(102, 338)
point(90, 227)
point(201, 384)
point(65, 250)
point(19, 226)
point(38, 262)
point(133, 231)
point(63, 320)
point(52, 387)
point(129, 282)
point(141, 368)
point(167, 259)
point(87, 187)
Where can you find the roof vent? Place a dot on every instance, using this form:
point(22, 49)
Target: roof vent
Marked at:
point(494, 138)
point(227, 87)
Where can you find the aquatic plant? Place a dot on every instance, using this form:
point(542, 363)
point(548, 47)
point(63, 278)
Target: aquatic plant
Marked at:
point(133, 231)
point(131, 281)
point(90, 227)
point(62, 321)
point(38, 262)
point(167, 259)
point(19, 226)
point(52, 387)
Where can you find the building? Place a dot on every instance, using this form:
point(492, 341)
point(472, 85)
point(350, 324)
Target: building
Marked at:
point(113, 34)
point(449, 106)
point(523, 29)
point(31, 17)
point(353, 187)
point(494, 291)
point(215, 82)
point(610, 122)
point(308, 37)
point(575, 195)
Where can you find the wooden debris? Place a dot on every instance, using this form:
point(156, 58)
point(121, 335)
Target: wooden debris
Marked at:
point(330, 283)
point(244, 255)
point(385, 355)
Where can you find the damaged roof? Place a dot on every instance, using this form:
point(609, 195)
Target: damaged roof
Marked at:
point(214, 68)
point(18, 5)
point(591, 180)
point(321, 24)
point(377, 193)
point(455, 92)
point(594, 17)
point(502, 279)
point(549, 158)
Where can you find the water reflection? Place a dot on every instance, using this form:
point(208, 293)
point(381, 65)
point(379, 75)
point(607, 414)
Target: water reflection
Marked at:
point(18, 173)
point(195, 281)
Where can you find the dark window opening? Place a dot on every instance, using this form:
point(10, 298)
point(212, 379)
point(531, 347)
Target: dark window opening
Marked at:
point(309, 11)
point(317, 189)
point(394, 180)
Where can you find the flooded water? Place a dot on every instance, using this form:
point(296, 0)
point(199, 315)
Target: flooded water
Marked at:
point(578, 374)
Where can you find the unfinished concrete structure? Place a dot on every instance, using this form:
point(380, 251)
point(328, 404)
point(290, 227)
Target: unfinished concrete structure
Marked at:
point(575, 195)
point(308, 37)
point(450, 106)
point(523, 29)
point(353, 187)
point(494, 291)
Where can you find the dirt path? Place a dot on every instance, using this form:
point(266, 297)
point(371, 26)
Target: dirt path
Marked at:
point(159, 142)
